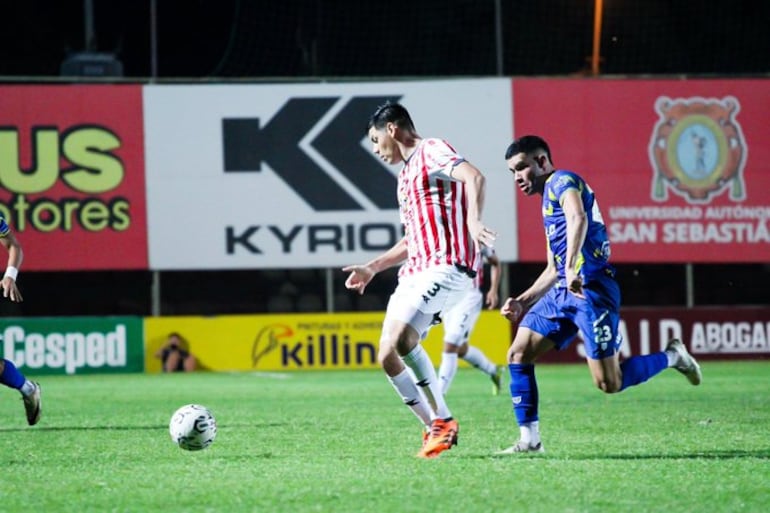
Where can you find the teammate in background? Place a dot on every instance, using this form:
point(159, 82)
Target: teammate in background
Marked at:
point(440, 198)
point(460, 320)
point(175, 355)
point(577, 291)
point(9, 374)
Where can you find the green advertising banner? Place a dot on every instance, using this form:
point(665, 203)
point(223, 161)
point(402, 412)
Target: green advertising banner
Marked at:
point(73, 345)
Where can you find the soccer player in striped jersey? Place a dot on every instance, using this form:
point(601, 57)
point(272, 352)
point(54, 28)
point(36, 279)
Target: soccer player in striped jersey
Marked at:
point(577, 292)
point(459, 321)
point(9, 374)
point(440, 200)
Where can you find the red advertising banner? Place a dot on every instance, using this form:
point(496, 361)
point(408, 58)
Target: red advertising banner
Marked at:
point(709, 333)
point(72, 175)
point(681, 168)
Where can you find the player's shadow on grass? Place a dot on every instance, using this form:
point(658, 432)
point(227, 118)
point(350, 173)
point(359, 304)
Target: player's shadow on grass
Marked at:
point(728, 454)
point(135, 428)
point(731, 454)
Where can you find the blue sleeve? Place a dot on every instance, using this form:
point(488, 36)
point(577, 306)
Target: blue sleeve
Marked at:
point(564, 181)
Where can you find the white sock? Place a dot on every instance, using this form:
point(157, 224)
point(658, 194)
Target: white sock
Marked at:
point(411, 395)
point(447, 370)
point(673, 358)
point(419, 361)
point(475, 357)
point(530, 433)
point(27, 388)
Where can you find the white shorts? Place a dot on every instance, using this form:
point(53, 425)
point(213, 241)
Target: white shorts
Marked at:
point(420, 297)
point(459, 321)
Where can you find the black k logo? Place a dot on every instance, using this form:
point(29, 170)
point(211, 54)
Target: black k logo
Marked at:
point(247, 146)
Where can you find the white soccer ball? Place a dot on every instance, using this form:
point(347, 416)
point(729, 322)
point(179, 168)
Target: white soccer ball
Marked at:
point(193, 427)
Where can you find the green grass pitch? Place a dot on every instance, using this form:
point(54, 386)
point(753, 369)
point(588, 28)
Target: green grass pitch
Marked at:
point(343, 442)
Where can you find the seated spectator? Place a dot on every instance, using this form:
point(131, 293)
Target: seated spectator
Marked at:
point(175, 355)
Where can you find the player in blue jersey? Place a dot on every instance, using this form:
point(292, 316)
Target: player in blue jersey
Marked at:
point(576, 292)
point(9, 374)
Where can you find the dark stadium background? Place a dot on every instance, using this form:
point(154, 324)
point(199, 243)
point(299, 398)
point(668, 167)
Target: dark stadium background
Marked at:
point(250, 40)
point(258, 39)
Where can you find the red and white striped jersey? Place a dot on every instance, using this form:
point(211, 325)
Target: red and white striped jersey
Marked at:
point(433, 209)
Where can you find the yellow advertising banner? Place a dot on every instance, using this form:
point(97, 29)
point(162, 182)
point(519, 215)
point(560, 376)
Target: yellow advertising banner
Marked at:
point(287, 342)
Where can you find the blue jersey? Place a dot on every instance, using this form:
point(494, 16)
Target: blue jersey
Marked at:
point(593, 261)
point(3, 227)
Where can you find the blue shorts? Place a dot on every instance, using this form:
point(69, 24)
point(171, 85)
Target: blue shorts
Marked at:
point(559, 316)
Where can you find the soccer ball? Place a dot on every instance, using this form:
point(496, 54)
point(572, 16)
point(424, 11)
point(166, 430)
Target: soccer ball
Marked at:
point(193, 427)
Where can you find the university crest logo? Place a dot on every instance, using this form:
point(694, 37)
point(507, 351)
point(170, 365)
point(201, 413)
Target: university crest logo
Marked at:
point(697, 149)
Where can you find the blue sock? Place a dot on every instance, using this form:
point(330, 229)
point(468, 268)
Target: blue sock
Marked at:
point(639, 369)
point(11, 377)
point(523, 392)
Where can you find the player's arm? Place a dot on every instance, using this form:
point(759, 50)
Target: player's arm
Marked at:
point(515, 306)
point(577, 227)
point(361, 275)
point(542, 284)
point(475, 185)
point(392, 257)
point(495, 271)
point(15, 257)
point(159, 353)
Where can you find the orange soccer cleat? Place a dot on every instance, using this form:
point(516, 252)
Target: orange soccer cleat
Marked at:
point(443, 435)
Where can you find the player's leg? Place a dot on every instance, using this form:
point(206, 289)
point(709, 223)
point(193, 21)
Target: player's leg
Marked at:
point(467, 314)
point(527, 346)
point(403, 358)
point(416, 358)
point(419, 376)
point(543, 328)
point(30, 390)
point(612, 376)
point(476, 357)
point(456, 323)
point(173, 362)
point(398, 374)
point(598, 320)
point(448, 367)
point(598, 326)
point(190, 363)
point(432, 291)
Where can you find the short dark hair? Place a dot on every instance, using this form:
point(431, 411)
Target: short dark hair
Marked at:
point(528, 144)
point(390, 112)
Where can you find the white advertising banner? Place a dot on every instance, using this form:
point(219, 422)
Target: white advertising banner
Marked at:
point(282, 175)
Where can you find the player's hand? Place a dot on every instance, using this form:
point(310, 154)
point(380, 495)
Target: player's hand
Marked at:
point(481, 234)
point(492, 299)
point(359, 278)
point(512, 309)
point(10, 290)
point(574, 283)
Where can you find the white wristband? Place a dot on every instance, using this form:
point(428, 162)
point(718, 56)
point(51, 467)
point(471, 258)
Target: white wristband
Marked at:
point(11, 272)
